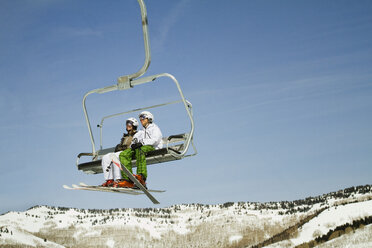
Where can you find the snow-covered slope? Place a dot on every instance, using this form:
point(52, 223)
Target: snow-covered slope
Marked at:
point(361, 238)
point(189, 225)
point(152, 225)
point(328, 220)
point(331, 218)
point(13, 235)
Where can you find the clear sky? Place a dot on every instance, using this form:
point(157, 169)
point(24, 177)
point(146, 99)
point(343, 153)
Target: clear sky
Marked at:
point(281, 93)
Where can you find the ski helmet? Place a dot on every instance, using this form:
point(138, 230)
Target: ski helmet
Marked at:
point(133, 122)
point(147, 115)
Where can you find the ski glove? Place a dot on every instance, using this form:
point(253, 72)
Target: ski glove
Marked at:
point(119, 147)
point(136, 146)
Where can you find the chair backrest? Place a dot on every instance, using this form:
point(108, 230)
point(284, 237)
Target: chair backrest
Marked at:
point(166, 140)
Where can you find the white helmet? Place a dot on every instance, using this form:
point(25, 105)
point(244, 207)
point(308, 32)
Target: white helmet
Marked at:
point(147, 115)
point(133, 122)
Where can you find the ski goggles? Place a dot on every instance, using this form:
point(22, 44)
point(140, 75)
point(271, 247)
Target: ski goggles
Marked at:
point(142, 117)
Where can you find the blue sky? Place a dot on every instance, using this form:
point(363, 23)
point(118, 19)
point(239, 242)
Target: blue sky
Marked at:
point(281, 94)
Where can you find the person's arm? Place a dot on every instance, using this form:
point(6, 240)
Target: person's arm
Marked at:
point(121, 146)
point(137, 138)
point(153, 138)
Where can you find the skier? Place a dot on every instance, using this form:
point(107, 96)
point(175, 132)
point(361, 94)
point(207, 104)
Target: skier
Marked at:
point(112, 172)
point(145, 140)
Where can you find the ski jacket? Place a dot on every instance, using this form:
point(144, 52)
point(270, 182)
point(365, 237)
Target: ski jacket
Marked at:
point(149, 136)
point(125, 141)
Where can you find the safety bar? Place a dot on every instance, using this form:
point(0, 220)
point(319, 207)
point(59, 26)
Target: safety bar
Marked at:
point(179, 136)
point(173, 150)
point(193, 147)
point(84, 154)
point(128, 112)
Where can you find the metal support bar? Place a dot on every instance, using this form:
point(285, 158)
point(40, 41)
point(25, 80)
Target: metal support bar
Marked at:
point(146, 43)
point(88, 122)
point(130, 111)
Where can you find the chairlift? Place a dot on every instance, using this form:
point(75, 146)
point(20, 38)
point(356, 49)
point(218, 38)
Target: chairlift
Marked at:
point(176, 145)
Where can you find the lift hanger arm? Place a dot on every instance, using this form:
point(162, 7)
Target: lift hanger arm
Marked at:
point(146, 43)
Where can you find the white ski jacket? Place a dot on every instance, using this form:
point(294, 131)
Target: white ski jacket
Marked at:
point(150, 136)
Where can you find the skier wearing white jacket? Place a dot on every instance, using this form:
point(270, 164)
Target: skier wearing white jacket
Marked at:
point(145, 140)
point(149, 136)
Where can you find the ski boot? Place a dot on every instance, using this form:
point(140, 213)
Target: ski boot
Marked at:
point(141, 179)
point(108, 183)
point(123, 184)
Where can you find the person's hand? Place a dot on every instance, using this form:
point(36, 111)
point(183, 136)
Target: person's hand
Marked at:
point(117, 148)
point(136, 146)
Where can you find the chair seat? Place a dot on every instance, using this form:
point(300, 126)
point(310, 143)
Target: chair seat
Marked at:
point(152, 157)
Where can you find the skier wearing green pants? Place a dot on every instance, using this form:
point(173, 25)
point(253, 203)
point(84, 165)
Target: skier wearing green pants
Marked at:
point(145, 140)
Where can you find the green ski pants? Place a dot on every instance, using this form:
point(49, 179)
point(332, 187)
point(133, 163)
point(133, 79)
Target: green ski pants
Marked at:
point(126, 160)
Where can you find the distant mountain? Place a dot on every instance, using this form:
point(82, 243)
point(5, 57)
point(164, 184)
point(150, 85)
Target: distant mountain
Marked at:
point(337, 219)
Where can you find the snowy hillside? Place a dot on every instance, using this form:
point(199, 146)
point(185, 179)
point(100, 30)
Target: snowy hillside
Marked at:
point(243, 224)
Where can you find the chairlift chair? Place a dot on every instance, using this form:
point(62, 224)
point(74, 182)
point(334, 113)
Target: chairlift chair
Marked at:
point(176, 146)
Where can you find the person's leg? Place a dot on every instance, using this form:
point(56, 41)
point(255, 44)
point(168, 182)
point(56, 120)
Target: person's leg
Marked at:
point(116, 171)
point(126, 160)
point(141, 160)
point(106, 162)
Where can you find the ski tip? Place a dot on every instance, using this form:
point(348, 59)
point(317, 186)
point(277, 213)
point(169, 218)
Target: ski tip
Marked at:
point(66, 187)
point(75, 186)
point(157, 191)
point(83, 184)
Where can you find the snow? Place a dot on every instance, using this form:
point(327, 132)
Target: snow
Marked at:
point(110, 243)
point(331, 218)
point(327, 220)
point(28, 224)
point(235, 239)
point(20, 237)
point(228, 222)
point(93, 233)
point(362, 238)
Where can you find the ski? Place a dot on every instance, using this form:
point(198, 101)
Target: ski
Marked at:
point(141, 189)
point(102, 189)
point(108, 189)
point(122, 189)
point(134, 180)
